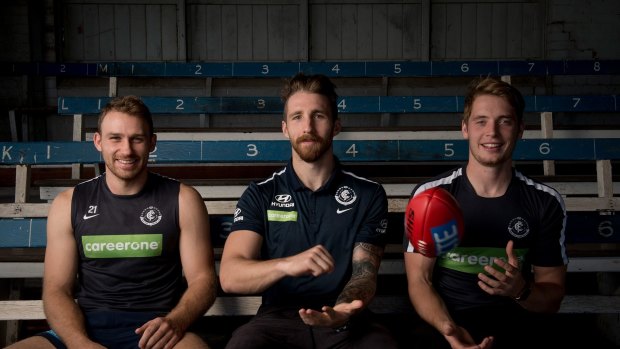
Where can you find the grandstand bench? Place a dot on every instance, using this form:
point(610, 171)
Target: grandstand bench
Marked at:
point(600, 200)
point(23, 224)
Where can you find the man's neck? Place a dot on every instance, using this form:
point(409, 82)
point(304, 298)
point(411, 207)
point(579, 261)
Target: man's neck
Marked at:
point(119, 186)
point(314, 175)
point(489, 181)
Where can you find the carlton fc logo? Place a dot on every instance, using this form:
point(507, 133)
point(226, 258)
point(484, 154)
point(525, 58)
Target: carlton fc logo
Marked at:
point(345, 196)
point(518, 227)
point(150, 216)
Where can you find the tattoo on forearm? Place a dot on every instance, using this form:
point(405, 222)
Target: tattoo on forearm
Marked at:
point(365, 266)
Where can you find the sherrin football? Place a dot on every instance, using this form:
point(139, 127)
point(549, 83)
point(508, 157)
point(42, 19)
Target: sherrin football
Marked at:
point(434, 222)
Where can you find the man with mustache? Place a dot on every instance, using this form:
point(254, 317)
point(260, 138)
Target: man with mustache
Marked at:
point(310, 238)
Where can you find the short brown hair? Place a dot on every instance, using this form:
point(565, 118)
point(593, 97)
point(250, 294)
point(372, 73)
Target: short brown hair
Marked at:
point(495, 87)
point(318, 83)
point(131, 105)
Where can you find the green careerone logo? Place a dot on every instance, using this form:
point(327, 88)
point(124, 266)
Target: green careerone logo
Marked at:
point(122, 246)
point(473, 259)
point(281, 216)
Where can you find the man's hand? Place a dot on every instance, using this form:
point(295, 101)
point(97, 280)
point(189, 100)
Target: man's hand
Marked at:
point(159, 333)
point(314, 261)
point(508, 283)
point(459, 338)
point(331, 317)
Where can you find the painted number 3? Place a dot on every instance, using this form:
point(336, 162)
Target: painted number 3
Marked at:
point(252, 150)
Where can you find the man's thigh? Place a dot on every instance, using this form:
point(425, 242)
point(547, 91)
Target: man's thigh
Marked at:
point(272, 329)
point(34, 342)
point(191, 341)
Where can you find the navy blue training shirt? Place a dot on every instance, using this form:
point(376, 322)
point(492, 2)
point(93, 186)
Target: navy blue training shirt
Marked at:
point(292, 218)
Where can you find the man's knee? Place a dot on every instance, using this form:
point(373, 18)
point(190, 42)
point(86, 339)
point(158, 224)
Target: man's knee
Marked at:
point(191, 341)
point(34, 342)
point(247, 336)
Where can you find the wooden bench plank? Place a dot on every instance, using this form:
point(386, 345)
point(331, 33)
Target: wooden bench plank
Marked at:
point(33, 309)
point(389, 266)
point(219, 192)
point(332, 69)
point(380, 151)
point(575, 265)
point(572, 204)
point(23, 225)
point(215, 135)
point(346, 104)
point(248, 305)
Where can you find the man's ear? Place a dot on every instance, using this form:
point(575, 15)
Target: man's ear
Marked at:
point(464, 129)
point(97, 140)
point(285, 130)
point(153, 143)
point(521, 129)
point(337, 127)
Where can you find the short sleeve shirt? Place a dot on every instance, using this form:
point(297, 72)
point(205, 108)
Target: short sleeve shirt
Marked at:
point(530, 213)
point(292, 218)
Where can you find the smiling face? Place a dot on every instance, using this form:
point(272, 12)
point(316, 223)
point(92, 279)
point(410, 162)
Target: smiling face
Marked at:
point(493, 130)
point(309, 125)
point(124, 142)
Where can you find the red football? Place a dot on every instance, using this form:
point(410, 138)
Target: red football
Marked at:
point(434, 222)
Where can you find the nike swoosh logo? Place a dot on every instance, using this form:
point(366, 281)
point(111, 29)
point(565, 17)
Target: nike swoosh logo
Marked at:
point(339, 211)
point(89, 217)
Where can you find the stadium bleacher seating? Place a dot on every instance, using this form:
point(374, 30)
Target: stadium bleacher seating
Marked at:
point(591, 199)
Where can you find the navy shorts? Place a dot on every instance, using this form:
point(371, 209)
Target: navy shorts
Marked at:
point(110, 329)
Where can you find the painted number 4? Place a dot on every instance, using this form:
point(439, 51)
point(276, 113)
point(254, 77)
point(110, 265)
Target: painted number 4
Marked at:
point(352, 151)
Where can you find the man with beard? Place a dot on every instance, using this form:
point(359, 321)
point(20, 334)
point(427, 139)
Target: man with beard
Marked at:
point(310, 238)
point(511, 262)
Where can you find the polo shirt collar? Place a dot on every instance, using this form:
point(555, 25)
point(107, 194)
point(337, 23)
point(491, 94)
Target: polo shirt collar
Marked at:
point(297, 185)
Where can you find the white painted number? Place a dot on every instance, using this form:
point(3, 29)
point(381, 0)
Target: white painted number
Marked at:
point(465, 67)
point(397, 68)
point(180, 104)
point(544, 148)
point(260, 104)
point(342, 105)
point(198, 70)
point(449, 151)
point(576, 100)
point(605, 229)
point(531, 64)
point(416, 104)
point(265, 69)
point(352, 151)
point(252, 150)
point(336, 69)
point(63, 68)
point(597, 66)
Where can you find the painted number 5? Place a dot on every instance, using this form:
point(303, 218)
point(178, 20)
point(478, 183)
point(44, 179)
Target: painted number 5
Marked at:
point(448, 150)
